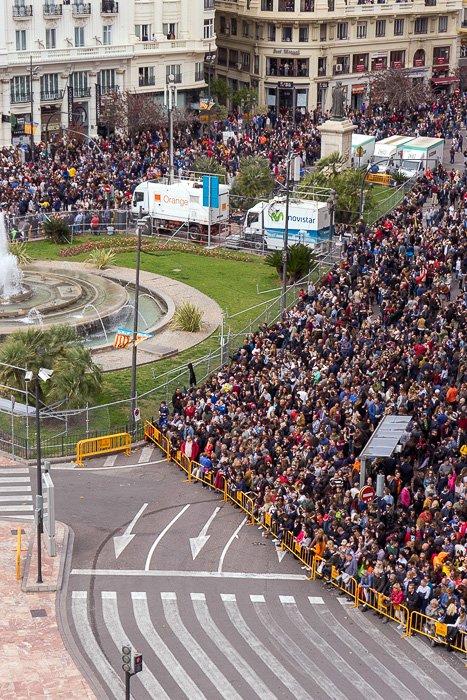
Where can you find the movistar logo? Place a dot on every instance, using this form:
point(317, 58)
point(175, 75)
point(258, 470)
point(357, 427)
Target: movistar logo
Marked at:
point(277, 216)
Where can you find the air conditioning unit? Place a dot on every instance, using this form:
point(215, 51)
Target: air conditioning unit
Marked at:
point(339, 68)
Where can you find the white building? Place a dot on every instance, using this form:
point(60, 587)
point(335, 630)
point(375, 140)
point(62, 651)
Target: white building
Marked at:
point(72, 51)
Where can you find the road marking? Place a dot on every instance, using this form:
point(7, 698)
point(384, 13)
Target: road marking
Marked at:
point(263, 652)
point(257, 598)
point(315, 600)
point(13, 489)
point(79, 610)
point(122, 541)
point(290, 647)
point(397, 687)
point(16, 498)
point(393, 651)
point(159, 647)
point(232, 655)
point(433, 658)
point(119, 637)
point(206, 665)
point(168, 595)
point(228, 597)
point(197, 596)
point(231, 539)
point(146, 454)
point(8, 470)
point(344, 601)
point(197, 543)
point(338, 661)
point(9, 509)
point(280, 553)
point(110, 460)
point(161, 535)
point(188, 574)
point(287, 599)
point(18, 479)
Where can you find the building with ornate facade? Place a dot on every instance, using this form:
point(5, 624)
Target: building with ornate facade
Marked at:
point(64, 54)
point(293, 51)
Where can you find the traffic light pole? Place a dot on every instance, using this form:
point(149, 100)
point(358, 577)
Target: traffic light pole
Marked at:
point(127, 685)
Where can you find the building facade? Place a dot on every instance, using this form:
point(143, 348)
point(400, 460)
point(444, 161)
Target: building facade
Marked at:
point(294, 51)
point(65, 54)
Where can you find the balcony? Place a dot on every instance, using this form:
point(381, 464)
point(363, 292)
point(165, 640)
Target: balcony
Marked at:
point(267, 6)
point(208, 4)
point(52, 10)
point(22, 11)
point(107, 89)
point(80, 92)
point(199, 75)
point(81, 8)
point(52, 96)
point(286, 5)
point(147, 81)
point(18, 97)
point(307, 5)
point(109, 8)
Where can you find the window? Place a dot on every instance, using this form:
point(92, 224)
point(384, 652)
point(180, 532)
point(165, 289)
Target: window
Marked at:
point(233, 58)
point(380, 27)
point(258, 32)
point(79, 83)
point(303, 34)
point(20, 88)
point(398, 27)
point(362, 30)
point(222, 56)
point(245, 30)
point(323, 32)
point(342, 65)
point(106, 79)
point(397, 59)
point(143, 31)
point(421, 25)
point(175, 71)
point(245, 60)
point(208, 28)
point(360, 63)
point(146, 76)
point(170, 30)
point(21, 40)
point(49, 86)
point(79, 36)
point(256, 65)
point(199, 71)
point(287, 33)
point(322, 65)
point(107, 34)
point(342, 30)
point(222, 24)
point(271, 32)
point(443, 24)
point(50, 38)
point(233, 26)
point(441, 56)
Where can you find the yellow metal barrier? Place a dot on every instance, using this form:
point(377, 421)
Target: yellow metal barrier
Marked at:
point(438, 632)
point(379, 178)
point(120, 442)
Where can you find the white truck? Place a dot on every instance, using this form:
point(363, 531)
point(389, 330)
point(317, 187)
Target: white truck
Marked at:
point(309, 223)
point(363, 147)
point(421, 154)
point(388, 151)
point(180, 207)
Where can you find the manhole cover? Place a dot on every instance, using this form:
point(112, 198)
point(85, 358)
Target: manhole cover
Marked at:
point(259, 544)
point(39, 613)
point(15, 532)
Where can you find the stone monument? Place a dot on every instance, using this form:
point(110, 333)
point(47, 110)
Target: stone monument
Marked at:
point(336, 132)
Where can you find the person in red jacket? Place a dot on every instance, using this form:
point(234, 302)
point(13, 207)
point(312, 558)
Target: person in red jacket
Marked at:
point(190, 448)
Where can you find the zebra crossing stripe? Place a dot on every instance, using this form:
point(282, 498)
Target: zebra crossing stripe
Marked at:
point(110, 460)
point(309, 667)
point(12, 489)
point(146, 454)
point(79, 611)
point(19, 470)
point(18, 507)
point(260, 650)
point(18, 498)
point(171, 663)
point(217, 678)
point(14, 479)
point(117, 633)
point(222, 643)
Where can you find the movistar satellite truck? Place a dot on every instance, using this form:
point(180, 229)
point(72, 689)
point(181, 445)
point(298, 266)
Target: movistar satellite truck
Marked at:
point(309, 223)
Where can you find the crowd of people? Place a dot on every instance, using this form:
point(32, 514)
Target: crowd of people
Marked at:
point(384, 332)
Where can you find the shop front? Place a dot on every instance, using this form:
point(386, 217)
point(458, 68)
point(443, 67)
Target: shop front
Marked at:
point(357, 95)
point(285, 97)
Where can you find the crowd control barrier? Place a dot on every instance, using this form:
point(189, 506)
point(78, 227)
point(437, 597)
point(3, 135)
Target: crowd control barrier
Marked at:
point(413, 623)
point(120, 442)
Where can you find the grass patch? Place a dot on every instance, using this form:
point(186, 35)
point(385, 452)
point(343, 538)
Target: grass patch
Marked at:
point(387, 199)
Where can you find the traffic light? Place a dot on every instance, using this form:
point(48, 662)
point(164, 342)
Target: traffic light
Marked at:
point(126, 658)
point(136, 661)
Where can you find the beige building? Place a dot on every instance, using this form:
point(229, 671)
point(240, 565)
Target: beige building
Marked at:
point(293, 51)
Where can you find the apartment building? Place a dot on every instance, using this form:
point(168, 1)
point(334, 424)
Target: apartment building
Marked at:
point(294, 51)
point(65, 54)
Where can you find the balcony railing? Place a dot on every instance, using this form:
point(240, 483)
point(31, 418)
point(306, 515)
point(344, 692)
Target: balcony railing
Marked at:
point(267, 5)
point(199, 75)
point(106, 89)
point(109, 8)
point(177, 77)
point(146, 82)
point(81, 92)
point(22, 11)
point(307, 5)
point(81, 8)
point(52, 10)
point(51, 95)
point(286, 5)
point(17, 97)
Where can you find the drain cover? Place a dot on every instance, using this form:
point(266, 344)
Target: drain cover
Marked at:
point(39, 613)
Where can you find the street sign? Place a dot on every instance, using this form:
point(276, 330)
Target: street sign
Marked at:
point(211, 191)
point(137, 414)
point(367, 494)
point(107, 189)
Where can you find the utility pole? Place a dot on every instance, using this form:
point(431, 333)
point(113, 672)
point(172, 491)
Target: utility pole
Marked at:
point(170, 106)
point(134, 352)
point(32, 73)
point(38, 483)
point(285, 250)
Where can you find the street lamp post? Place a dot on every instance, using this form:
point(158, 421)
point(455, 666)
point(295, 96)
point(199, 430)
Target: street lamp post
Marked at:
point(134, 354)
point(285, 250)
point(170, 106)
point(210, 59)
point(331, 204)
point(32, 73)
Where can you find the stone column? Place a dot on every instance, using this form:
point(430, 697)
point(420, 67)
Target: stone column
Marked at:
point(5, 127)
point(92, 116)
point(336, 135)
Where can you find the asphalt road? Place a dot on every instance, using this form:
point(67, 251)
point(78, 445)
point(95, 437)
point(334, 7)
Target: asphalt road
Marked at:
point(216, 612)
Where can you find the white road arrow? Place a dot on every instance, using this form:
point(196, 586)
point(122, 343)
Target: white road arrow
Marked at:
point(197, 543)
point(280, 553)
point(122, 541)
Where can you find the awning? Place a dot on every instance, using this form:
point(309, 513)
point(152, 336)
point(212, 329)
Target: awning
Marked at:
point(358, 89)
point(445, 80)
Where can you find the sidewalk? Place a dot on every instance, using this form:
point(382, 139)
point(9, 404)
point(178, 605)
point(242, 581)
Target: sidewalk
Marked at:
point(35, 663)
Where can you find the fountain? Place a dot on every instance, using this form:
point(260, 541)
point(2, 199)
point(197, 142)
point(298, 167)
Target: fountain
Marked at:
point(10, 274)
point(33, 316)
point(91, 306)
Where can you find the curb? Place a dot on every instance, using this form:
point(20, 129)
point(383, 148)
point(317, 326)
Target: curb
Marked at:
point(45, 587)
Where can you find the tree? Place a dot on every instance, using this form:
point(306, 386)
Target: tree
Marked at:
point(396, 87)
point(246, 95)
point(76, 378)
point(253, 181)
point(221, 90)
point(209, 166)
point(299, 262)
point(131, 112)
point(347, 183)
point(57, 230)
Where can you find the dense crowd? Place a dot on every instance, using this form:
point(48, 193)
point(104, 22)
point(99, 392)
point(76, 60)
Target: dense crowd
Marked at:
point(384, 332)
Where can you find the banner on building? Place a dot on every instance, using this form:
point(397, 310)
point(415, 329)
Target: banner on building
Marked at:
point(70, 100)
point(98, 103)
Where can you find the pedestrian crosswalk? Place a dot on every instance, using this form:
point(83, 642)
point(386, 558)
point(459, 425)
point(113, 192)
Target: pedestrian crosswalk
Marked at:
point(206, 645)
point(15, 493)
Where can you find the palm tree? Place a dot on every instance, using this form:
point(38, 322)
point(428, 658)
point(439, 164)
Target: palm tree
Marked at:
point(76, 378)
point(209, 166)
point(254, 181)
point(299, 262)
